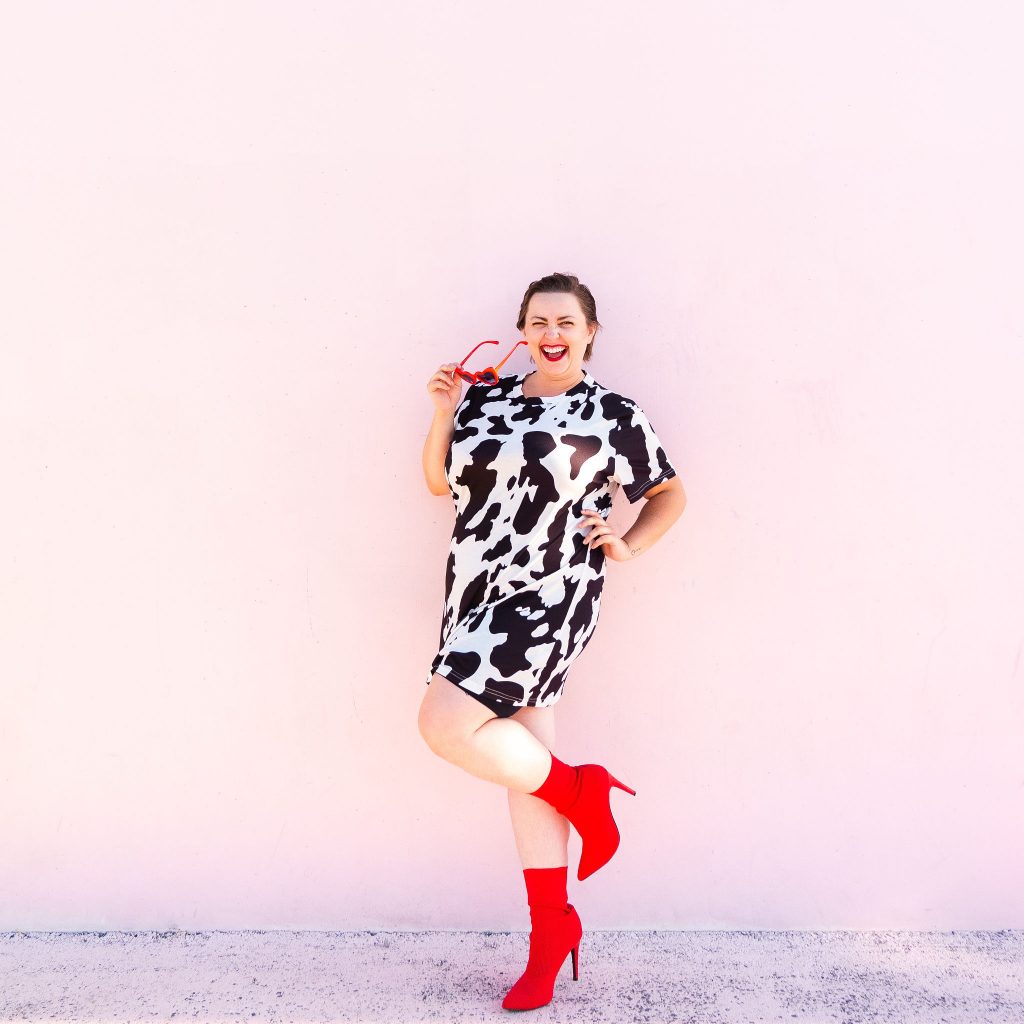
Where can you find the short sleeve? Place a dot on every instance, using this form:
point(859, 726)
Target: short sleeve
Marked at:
point(640, 459)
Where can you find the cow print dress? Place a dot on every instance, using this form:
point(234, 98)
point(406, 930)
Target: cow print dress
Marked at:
point(522, 591)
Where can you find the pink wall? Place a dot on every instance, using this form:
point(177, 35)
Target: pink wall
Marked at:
point(239, 240)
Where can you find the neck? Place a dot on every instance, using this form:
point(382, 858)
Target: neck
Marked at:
point(537, 378)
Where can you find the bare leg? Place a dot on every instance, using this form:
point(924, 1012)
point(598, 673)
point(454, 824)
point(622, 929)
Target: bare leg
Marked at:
point(542, 834)
point(467, 734)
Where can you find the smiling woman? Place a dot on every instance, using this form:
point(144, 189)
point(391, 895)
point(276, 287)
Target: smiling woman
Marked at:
point(532, 462)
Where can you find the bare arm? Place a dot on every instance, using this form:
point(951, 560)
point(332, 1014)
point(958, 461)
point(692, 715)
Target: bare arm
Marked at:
point(445, 390)
point(663, 505)
point(435, 449)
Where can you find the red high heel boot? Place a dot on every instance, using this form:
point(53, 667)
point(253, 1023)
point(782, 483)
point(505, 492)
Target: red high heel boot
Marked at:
point(582, 794)
point(556, 931)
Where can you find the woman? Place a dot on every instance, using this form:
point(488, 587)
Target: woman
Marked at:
point(532, 462)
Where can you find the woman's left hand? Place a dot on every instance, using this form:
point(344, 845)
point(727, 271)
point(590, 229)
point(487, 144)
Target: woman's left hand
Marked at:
point(602, 535)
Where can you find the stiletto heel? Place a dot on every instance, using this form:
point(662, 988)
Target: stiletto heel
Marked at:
point(615, 782)
point(576, 962)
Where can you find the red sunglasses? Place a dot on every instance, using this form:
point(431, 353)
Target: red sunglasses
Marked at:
point(490, 375)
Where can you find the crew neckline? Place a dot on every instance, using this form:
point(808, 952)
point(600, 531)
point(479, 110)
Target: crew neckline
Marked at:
point(576, 389)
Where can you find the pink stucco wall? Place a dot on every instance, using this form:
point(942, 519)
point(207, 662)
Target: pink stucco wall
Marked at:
point(239, 239)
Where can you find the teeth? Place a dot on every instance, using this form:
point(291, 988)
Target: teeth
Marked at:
point(552, 351)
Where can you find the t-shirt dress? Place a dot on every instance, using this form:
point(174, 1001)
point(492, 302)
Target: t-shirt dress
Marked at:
point(522, 591)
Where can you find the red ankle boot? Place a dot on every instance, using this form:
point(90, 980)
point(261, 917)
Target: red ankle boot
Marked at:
point(582, 794)
point(556, 931)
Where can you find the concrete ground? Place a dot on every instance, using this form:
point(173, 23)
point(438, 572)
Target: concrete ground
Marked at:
point(709, 976)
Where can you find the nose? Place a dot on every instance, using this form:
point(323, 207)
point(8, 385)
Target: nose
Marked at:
point(551, 333)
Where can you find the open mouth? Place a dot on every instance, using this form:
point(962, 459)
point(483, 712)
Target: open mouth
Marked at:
point(554, 353)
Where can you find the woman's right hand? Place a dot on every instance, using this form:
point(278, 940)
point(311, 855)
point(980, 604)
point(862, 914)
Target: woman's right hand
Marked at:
point(445, 389)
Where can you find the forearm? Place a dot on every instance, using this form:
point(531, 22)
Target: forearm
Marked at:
point(657, 515)
point(435, 450)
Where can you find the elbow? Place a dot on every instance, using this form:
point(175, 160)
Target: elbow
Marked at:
point(436, 485)
point(678, 496)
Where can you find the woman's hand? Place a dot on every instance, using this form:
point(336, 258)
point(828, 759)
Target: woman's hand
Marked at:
point(602, 535)
point(445, 389)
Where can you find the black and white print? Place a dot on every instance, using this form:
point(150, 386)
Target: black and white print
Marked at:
point(522, 590)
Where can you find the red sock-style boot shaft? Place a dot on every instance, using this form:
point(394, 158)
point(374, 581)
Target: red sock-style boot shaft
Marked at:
point(562, 786)
point(546, 887)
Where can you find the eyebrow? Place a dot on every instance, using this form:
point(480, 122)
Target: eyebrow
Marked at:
point(564, 316)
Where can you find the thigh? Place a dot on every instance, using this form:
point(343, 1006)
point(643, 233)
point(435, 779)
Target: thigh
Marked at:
point(448, 714)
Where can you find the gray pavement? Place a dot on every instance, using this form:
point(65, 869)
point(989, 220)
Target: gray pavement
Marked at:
point(693, 976)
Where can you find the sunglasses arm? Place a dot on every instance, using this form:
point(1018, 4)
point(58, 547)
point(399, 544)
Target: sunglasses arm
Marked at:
point(509, 356)
point(490, 341)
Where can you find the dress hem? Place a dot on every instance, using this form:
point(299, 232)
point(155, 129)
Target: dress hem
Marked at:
point(501, 698)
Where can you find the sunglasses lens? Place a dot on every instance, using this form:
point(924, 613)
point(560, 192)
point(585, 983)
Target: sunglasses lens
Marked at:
point(489, 376)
